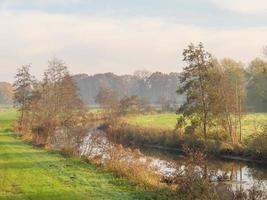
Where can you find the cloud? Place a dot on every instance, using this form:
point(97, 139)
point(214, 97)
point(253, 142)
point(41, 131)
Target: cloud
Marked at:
point(258, 7)
point(91, 44)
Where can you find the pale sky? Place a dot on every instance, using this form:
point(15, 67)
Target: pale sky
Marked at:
point(121, 36)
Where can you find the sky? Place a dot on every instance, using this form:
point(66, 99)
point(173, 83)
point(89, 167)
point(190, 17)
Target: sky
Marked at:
point(121, 36)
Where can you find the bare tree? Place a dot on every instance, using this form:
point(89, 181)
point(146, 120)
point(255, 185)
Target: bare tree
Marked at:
point(142, 74)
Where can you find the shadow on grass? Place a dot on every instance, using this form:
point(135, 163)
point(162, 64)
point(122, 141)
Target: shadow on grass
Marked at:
point(90, 195)
point(21, 154)
point(35, 165)
point(11, 143)
point(45, 196)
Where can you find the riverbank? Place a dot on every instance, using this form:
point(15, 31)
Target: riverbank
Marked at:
point(252, 149)
point(28, 172)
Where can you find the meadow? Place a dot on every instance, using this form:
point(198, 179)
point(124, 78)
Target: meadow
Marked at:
point(7, 117)
point(29, 172)
point(251, 122)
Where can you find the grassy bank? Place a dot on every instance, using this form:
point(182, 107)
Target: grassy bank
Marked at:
point(28, 172)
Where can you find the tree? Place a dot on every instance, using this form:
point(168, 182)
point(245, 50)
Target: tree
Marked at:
point(227, 94)
point(6, 93)
point(109, 101)
point(257, 92)
point(23, 85)
point(142, 74)
point(165, 103)
point(145, 104)
point(194, 84)
point(57, 104)
point(106, 98)
point(129, 104)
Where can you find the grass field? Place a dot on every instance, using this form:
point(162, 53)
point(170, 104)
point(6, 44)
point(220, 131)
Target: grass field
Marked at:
point(164, 120)
point(7, 116)
point(28, 172)
point(251, 122)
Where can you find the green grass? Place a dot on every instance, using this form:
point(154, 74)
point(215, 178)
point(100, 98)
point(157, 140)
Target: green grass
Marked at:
point(251, 122)
point(254, 122)
point(7, 116)
point(28, 172)
point(95, 110)
point(163, 120)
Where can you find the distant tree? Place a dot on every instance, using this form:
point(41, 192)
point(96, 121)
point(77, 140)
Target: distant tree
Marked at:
point(144, 104)
point(257, 91)
point(265, 51)
point(165, 103)
point(129, 104)
point(142, 74)
point(109, 101)
point(6, 93)
point(23, 85)
point(106, 98)
point(195, 83)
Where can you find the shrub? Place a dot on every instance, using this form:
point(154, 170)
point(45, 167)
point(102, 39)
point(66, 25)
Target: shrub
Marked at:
point(257, 146)
point(194, 182)
point(226, 148)
point(135, 135)
point(68, 150)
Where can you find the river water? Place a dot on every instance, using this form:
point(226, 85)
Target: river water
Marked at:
point(239, 175)
point(236, 173)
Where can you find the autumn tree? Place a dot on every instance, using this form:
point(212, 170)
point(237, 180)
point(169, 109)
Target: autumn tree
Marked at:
point(109, 101)
point(194, 81)
point(58, 105)
point(129, 104)
point(106, 98)
point(227, 96)
point(23, 85)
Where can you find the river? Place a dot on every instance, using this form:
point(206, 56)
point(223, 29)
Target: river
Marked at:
point(238, 175)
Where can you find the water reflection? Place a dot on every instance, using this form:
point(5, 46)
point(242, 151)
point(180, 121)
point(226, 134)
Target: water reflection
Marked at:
point(237, 175)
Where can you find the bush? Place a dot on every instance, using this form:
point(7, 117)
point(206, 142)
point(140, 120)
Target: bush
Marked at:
point(226, 148)
point(68, 150)
point(127, 163)
point(135, 173)
point(257, 146)
point(194, 182)
point(134, 135)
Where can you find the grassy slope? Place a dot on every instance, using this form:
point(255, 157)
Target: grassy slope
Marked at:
point(251, 121)
point(27, 172)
